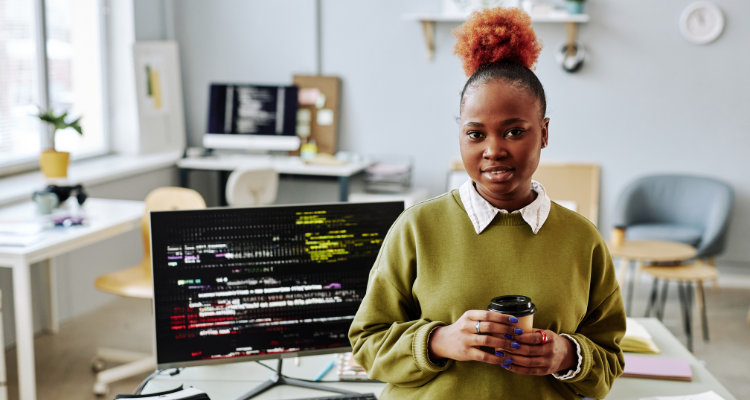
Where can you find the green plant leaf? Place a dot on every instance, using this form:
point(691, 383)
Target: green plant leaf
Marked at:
point(58, 121)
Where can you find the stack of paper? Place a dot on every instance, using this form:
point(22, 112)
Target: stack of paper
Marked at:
point(657, 368)
point(637, 339)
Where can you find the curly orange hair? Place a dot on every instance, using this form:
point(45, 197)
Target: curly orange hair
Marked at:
point(496, 34)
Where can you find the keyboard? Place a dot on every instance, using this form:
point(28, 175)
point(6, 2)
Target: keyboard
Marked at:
point(362, 396)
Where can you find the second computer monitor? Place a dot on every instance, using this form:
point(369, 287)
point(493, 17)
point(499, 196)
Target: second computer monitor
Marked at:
point(252, 117)
point(240, 284)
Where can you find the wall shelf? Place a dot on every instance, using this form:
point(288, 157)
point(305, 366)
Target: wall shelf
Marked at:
point(558, 16)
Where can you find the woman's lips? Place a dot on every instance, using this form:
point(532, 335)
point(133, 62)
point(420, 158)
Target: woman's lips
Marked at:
point(498, 175)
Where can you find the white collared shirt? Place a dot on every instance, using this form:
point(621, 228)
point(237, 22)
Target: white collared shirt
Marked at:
point(481, 213)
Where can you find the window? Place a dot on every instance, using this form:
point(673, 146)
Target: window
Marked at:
point(20, 133)
point(73, 83)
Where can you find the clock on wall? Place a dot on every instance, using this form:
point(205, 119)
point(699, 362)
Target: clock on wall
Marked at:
point(702, 22)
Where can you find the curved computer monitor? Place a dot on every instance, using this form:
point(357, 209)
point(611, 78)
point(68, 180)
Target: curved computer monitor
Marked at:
point(246, 284)
point(252, 117)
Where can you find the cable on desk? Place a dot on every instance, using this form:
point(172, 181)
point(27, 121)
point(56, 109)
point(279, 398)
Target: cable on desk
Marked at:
point(310, 380)
point(143, 384)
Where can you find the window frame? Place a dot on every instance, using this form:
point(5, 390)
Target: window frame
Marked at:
point(40, 44)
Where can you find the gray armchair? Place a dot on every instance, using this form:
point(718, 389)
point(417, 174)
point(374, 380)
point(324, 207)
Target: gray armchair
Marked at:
point(688, 209)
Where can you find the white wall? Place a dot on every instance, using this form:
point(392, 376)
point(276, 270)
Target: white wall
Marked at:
point(645, 102)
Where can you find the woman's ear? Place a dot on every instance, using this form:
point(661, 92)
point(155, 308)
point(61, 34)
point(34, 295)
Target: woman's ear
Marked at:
point(545, 132)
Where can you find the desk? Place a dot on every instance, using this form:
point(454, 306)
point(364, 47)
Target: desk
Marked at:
point(280, 164)
point(639, 251)
point(634, 388)
point(107, 218)
point(229, 381)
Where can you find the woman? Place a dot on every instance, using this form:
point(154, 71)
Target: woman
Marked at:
point(423, 326)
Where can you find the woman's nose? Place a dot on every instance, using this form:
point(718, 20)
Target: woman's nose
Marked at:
point(495, 149)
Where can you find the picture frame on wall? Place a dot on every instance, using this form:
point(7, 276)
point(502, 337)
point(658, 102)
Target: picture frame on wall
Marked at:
point(158, 82)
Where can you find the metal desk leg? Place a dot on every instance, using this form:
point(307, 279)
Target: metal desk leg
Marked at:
point(628, 311)
point(184, 177)
point(222, 189)
point(53, 318)
point(343, 188)
point(24, 330)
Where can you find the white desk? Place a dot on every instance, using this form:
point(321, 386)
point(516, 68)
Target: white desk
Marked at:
point(106, 218)
point(280, 164)
point(703, 381)
point(227, 382)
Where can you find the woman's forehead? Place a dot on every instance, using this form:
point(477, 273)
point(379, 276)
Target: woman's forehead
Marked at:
point(498, 98)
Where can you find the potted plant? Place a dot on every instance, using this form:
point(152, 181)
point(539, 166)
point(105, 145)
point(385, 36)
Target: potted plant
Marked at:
point(53, 163)
point(574, 6)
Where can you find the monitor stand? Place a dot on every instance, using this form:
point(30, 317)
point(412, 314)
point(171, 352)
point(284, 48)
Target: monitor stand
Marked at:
point(279, 379)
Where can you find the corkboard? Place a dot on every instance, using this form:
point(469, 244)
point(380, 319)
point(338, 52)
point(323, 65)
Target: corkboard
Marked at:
point(325, 136)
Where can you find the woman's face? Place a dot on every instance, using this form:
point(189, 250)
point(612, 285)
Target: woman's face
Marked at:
point(501, 137)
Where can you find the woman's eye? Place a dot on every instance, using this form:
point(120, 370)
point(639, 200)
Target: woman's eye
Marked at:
point(513, 133)
point(474, 135)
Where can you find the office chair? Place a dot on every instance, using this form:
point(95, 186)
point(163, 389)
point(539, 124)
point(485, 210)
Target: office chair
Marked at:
point(136, 282)
point(252, 187)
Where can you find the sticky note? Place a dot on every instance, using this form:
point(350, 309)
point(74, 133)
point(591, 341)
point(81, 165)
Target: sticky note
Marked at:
point(325, 117)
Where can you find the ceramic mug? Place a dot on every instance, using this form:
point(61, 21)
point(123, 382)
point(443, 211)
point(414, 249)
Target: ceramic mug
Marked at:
point(45, 202)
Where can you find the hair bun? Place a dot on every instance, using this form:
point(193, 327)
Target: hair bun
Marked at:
point(496, 34)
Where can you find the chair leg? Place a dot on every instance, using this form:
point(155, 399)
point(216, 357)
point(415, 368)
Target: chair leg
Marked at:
point(104, 378)
point(663, 301)
point(652, 298)
point(702, 306)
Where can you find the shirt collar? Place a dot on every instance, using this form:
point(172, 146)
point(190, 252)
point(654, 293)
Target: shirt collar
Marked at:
point(481, 212)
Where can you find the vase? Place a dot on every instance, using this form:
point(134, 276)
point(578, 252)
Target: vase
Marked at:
point(574, 7)
point(54, 164)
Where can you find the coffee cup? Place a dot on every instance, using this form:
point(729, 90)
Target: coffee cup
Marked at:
point(520, 307)
point(45, 202)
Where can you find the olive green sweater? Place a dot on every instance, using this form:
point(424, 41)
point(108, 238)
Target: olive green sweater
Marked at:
point(433, 267)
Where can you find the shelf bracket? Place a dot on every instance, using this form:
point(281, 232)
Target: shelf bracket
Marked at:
point(428, 28)
point(572, 28)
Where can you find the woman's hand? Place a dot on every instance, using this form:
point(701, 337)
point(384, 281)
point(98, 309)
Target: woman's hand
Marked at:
point(460, 341)
point(527, 354)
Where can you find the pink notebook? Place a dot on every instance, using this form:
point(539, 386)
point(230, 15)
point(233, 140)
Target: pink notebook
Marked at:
point(657, 368)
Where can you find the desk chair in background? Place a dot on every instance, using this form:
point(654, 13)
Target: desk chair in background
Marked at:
point(136, 282)
point(252, 187)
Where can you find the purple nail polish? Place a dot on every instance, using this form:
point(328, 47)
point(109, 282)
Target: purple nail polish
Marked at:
point(513, 320)
point(519, 331)
point(508, 361)
point(506, 366)
point(499, 353)
point(515, 345)
point(507, 336)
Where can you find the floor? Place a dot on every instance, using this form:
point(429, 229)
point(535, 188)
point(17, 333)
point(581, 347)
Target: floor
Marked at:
point(64, 360)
